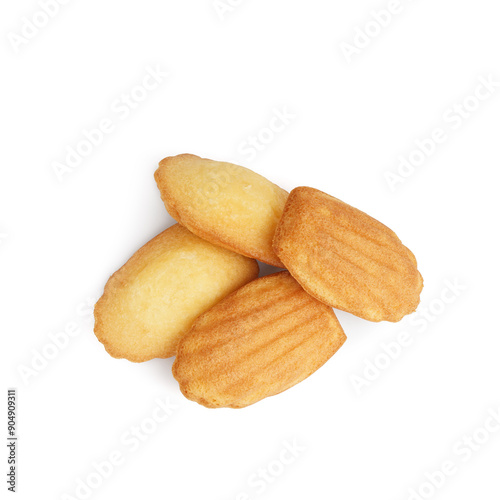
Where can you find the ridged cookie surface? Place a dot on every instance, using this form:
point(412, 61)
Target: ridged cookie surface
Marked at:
point(154, 298)
point(345, 258)
point(225, 204)
point(257, 342)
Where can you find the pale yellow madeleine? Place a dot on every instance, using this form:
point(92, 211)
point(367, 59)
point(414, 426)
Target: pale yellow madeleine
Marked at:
point(225, 204)
point(154, 298)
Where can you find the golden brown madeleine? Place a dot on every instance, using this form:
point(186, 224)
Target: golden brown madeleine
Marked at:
point(154, 298)
point(345, 258)
point(259, 341)
point(223, 203)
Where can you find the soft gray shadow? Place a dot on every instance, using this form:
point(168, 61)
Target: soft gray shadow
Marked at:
point(266, 269)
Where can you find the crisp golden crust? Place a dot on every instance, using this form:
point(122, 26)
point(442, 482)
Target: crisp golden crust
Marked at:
point(259, 341)
point(154, 298)
point(345, 258)
point(226, 204)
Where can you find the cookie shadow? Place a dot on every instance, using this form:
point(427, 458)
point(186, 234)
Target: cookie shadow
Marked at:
point(266, 269)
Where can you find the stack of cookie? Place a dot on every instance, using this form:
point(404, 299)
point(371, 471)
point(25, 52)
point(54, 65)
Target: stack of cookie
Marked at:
point(193, 290)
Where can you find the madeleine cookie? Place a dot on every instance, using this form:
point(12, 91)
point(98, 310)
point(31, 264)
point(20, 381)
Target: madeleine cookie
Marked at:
point(345, 258)
point(154, 298)
point(259, 341)
point(225, 204)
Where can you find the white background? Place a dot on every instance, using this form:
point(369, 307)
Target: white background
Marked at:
point(61, 240)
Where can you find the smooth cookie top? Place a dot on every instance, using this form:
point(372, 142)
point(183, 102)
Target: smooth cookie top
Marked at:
point(225, 204)
point(154, 298)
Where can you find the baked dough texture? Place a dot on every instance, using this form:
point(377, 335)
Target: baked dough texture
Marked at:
point(226, 204)
point(154, 298)
point(259, 341)
point(345, 258)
